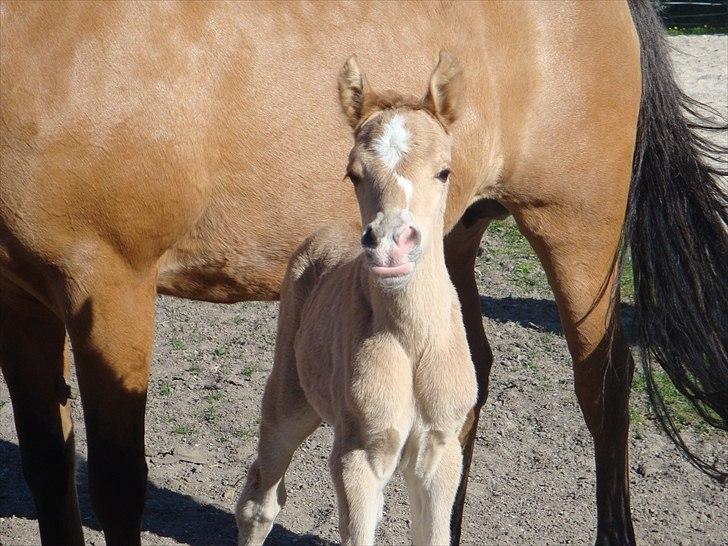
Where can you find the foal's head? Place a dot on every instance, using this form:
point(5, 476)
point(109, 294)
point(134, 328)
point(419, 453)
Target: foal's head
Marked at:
point(399, 165)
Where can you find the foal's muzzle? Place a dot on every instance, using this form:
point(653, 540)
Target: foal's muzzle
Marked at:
point(392, 245)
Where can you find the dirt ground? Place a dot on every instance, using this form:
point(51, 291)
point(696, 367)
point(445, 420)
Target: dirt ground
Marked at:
point(532, 479)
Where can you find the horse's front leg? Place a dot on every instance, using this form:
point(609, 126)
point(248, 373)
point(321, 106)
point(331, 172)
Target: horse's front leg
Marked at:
point(111, 325)
point(35, 367)
point(461, 248)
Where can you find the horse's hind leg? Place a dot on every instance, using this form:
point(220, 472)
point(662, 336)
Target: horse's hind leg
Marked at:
point(287, 420)
point(577, 242)
point(32, 356)
point(111, 325)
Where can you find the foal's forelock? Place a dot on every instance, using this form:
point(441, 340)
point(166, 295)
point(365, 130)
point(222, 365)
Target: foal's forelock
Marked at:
point(393, 143)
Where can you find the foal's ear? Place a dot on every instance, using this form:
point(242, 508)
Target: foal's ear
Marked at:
point(353, 88)
point(446, 83)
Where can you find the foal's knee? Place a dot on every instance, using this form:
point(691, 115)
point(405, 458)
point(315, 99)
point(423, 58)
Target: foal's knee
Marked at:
point(441, 459)
point(379, 452)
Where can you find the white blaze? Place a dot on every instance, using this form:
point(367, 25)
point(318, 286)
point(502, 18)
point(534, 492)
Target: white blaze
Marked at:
point(394, 142)
point(406, 185)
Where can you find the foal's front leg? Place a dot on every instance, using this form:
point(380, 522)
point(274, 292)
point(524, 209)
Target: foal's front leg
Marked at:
point(433, 482)
point(360, 471)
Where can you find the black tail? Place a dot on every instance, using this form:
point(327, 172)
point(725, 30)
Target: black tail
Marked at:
point(677, 230)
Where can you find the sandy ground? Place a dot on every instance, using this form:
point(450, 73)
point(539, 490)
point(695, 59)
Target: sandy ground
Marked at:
point(532, 480)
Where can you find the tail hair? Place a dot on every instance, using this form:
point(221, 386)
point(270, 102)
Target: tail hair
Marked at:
point(676, 229)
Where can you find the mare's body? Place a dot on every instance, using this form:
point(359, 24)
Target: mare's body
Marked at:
point(173, 148)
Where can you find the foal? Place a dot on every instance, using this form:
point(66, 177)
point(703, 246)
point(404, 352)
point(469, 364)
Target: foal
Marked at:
point(370, 336)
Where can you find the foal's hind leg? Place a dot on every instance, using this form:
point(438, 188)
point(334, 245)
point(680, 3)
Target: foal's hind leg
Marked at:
point(287, 420)
point(577, 242)
point(32, 357)
point(111, 325)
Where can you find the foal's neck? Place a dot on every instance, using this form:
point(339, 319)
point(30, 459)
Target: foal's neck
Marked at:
point(419, 308)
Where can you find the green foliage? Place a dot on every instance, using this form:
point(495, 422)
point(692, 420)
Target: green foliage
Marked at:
point(251, 431)
point(507, 232)
point(215, 396)
point(626, 281)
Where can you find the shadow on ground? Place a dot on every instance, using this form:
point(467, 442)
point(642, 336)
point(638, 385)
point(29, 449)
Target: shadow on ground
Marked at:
point(167, 513)
point(539, 314)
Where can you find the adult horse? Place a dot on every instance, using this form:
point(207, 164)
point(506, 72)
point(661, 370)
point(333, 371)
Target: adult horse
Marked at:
point(176, 148)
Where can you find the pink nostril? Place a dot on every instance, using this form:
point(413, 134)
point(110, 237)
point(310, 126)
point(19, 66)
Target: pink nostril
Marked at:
point(407, 238)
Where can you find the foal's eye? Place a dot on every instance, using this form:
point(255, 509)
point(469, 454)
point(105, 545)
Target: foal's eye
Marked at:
point(443, 175)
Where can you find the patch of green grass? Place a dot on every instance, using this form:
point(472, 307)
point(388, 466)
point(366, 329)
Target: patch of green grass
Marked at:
point(178, 345)
point(681, 410)
point(626, 281)
point(636, 421)
point(244, 434)
point(218, 352)
point(194, 370)
point(251, 431)
point(531, 362)
point(165, 389)
point(215, 396)
point(636, 418)
point(526, 275)
point(2, 403)
point(515, 244)
point(510, 245)
point(183, 430)
point(698, 29)
point(247, 371)
point(544, 338)
point(210, 414)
